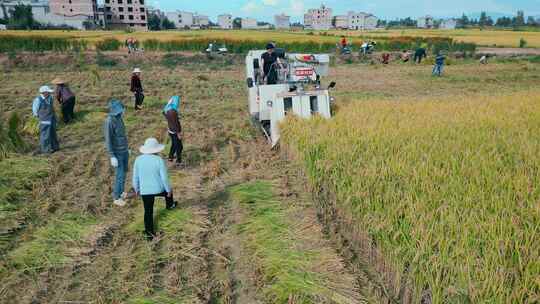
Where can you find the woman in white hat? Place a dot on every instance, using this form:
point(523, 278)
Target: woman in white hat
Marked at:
point(150, 179)
point(136, 88)
point(43, 109)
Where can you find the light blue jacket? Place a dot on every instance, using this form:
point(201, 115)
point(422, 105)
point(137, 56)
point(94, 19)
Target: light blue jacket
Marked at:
point(150, 175)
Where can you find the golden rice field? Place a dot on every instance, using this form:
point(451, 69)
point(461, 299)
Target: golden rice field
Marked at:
point(448, 188)
point(484, 38)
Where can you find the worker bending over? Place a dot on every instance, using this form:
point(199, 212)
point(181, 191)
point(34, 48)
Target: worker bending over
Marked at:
point(66, 98)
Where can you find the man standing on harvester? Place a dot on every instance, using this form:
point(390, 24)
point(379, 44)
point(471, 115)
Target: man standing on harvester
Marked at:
point(269, 59)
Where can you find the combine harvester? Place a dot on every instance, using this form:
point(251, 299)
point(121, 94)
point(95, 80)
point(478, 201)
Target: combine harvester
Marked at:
point(298, 90)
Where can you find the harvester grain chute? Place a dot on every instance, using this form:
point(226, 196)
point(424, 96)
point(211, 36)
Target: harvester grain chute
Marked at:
point(297, 92)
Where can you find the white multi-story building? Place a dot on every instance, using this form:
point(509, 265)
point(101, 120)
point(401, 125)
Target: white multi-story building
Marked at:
point(73, 13)
point(318, 18)
point(448, 24)
point(341, 22)
point(361, 21)
point(426, 22)
point(201, 21)
point(122, 14)
point(282, 21)
point(249, 23)
point(181, 20)
point(225, 21)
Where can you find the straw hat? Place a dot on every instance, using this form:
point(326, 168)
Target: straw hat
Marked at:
point(58, 81)
point(136, 70)
point(46, 89)
point(151, 146)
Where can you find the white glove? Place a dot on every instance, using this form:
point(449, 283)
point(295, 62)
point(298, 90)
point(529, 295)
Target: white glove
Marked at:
point(114, 162)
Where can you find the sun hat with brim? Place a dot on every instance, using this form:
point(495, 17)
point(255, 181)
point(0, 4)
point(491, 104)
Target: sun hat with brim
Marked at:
point(151, 146)
point(270, 46)
point(116, 107)
point(45, 89)
point(136, 70)
point(58, 81)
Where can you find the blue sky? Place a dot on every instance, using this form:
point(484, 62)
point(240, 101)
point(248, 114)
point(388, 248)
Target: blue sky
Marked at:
point(265, 9)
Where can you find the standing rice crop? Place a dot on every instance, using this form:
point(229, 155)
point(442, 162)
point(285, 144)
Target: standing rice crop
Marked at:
point(447, 189)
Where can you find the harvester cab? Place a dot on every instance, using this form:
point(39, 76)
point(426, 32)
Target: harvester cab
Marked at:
point(297, 92)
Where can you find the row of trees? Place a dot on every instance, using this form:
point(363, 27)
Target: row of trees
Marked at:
point(517, 21)
point(22, 18)
point(157, 23)
point(485, 20)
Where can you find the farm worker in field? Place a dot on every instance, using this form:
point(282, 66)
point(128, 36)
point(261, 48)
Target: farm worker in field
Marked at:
point(150, 179)
point(43, 109)
point(439, 65)
point(130, 44)
point(364, 47)
point(174, 129)
point(269, 58)
point(343, 42)
point(137, 89)
point(117, 145)
point(405, 56)
point(66, 98)
point(386, 58)
point(419, 55)
point(484, 59)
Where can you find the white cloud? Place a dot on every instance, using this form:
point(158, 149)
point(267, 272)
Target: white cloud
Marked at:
point(270, 2)
point(251, 7)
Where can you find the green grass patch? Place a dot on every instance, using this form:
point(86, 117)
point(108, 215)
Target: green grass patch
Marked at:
point(286, 269)
point(168, 221)
point(51, 244)
point(161, 299)
point(19, 174)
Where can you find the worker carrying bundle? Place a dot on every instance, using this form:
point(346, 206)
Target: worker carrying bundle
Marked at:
point(43, 109)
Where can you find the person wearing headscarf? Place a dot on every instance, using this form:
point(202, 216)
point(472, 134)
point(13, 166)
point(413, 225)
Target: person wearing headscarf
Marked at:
point(66, 98)
point(137, 88)
point(117, 145)
point(151, 180)
point(43, 109)
point(171, 112)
